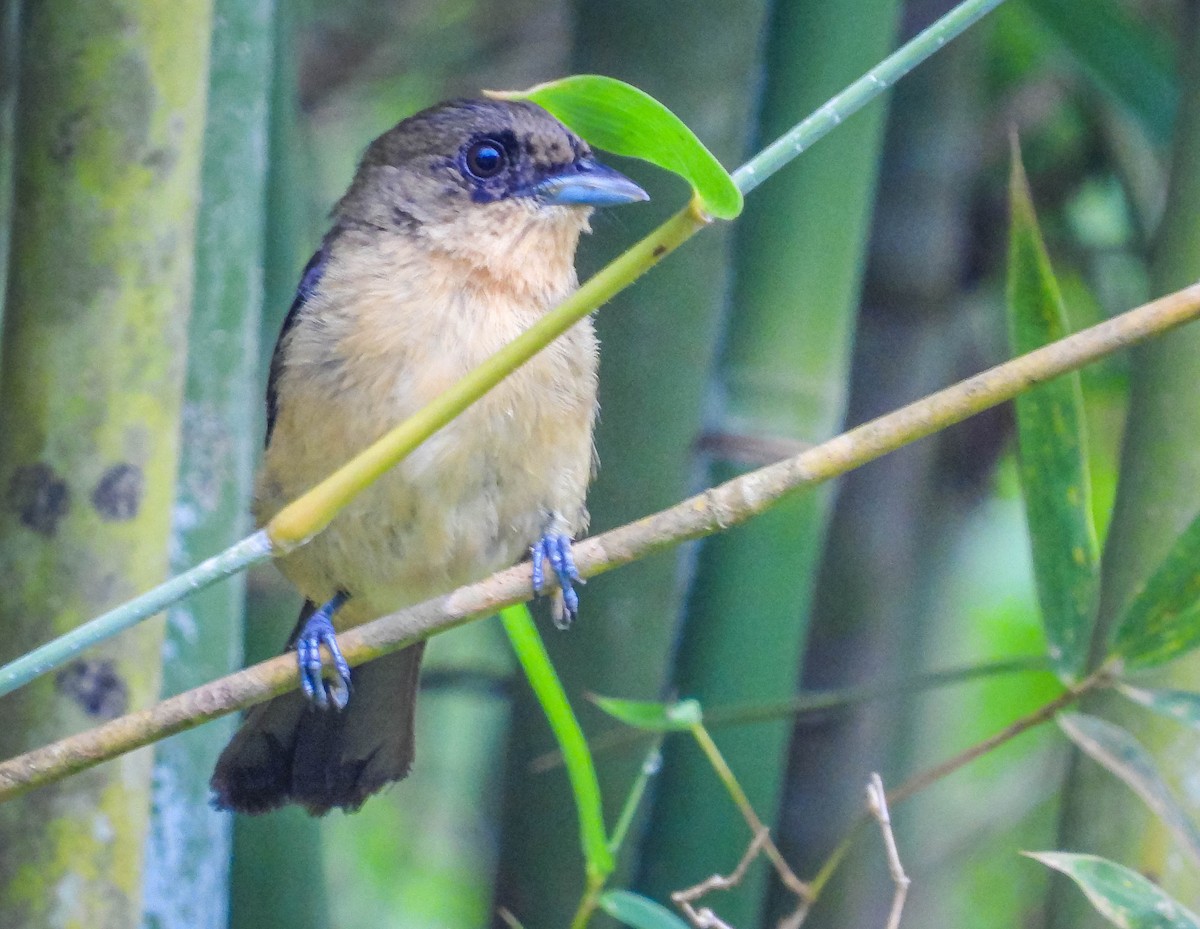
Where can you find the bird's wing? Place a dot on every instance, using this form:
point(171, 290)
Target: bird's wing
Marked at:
point(309, 282)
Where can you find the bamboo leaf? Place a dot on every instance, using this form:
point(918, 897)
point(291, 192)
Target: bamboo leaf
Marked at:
point(657, 717)
point(638, 912)
point(581, 771)
point(1050, 432)
point(622, 119)
point(1122, 896)
point(1180, 705)
point(1163, 620)
point(1119, 752)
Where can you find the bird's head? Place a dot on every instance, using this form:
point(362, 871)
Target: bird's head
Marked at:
point(493, 183)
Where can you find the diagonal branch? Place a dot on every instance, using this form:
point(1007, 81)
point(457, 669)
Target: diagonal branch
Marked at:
point(713, 510)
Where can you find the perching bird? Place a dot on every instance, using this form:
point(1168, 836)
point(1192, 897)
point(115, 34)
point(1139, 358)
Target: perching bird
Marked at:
point(457, 233)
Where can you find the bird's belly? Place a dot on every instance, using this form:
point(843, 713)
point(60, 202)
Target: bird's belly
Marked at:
point(467, 502)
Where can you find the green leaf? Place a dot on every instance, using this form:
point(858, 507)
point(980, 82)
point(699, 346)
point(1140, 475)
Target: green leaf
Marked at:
point(531, 652)
point(1123, 755)
point(1163, 619)
point(1122, 896)
point(657, 717)
point(1125, 54)
point(619, 118)
point(1180, 705)
point(1051, 442)
point(639, 912)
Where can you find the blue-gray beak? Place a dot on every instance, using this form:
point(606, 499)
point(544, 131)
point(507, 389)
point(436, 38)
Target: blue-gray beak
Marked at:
point(588, 183)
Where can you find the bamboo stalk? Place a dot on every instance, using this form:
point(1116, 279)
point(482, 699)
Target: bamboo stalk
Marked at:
point(107, 187)
point(186, 876)
point(783, 372)
point(1158, 494)
point(658, 342)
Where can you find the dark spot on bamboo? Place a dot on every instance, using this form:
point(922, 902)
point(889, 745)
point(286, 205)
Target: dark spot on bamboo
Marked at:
point(39, 497)
point(95, 685)
point(659, 251)
point(118, 495)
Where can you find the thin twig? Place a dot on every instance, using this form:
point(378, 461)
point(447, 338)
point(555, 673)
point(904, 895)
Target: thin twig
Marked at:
point(806, 704)
point(705, 918)
point(718, 508)
point(877, 804)
point(1101, 677)
point(762, 837)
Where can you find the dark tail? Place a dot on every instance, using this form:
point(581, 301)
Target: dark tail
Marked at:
point(288, 751)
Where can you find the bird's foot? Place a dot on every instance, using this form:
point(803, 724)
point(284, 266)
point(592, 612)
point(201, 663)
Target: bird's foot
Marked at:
point(555, 547)
point(318, 630)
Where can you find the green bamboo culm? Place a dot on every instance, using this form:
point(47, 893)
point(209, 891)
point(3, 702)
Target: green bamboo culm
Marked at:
point(783, 373)
point(277, 879)
point(186, 880)
point(109, 129)
point(1158, 494)
point(651, 412)
point(10, 29)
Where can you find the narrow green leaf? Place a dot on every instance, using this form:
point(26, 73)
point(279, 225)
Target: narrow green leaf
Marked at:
point(1122, 896)
point(619, 118)
point(1119, 752)
point(639, 912)
point(657, 717)
point(581, 771)
point(1180, 705)
point(1163, 620)
point(1050, 433)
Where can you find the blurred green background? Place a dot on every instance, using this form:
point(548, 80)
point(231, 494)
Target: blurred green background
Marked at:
point(865, 275)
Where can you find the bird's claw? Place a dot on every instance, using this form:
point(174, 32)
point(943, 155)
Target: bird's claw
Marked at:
point(318, 630)
point(555, 547)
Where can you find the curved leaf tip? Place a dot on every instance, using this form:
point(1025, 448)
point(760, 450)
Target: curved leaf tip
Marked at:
point(622, 119)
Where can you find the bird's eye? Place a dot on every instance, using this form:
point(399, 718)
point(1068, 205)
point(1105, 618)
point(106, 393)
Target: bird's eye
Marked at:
point(486, 158)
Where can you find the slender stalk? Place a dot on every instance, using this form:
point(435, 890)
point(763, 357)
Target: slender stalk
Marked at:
point(650, 767)
point(1100, 678)
point(714, 510)
point(810, 703)
point(249, 551)
point(860, 93)
point(588, 903)
point(742, 802)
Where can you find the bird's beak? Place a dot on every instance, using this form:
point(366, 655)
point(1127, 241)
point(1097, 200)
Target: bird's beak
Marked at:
point(588, 183)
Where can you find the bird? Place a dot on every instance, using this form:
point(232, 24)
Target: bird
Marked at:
point(458, 231)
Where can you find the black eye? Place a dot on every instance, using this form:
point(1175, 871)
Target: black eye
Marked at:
point(486, 158)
